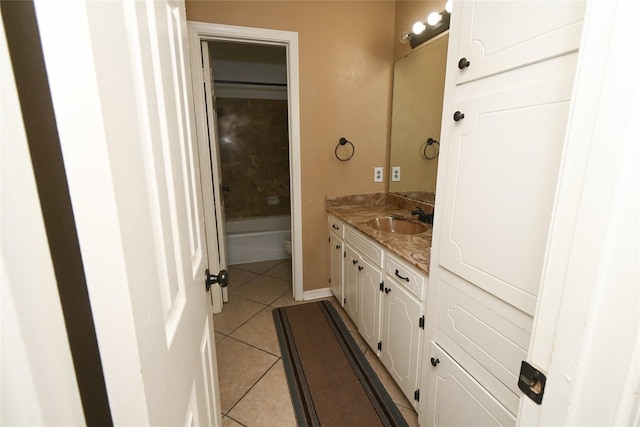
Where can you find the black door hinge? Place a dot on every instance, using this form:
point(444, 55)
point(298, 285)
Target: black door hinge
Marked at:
point(379, 345)
point(421, 322)
point(416, 395)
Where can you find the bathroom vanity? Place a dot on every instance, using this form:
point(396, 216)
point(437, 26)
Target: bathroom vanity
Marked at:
point(379, 272)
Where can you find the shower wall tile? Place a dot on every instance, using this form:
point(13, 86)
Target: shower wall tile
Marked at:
point(254, 155)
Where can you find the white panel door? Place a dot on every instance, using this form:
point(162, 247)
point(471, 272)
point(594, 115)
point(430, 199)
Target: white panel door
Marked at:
point(180, 373)
point(401, 337)
point(121, 91)
point(216, 234)
point(501, 176)
point(497, 36)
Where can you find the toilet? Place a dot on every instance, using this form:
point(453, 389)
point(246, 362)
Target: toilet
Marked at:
point(287, 247)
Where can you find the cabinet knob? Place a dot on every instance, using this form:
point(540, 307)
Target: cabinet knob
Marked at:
point(335, 227)
point(387, 290)
point(337, 246)
point(435, 361)
point(355, 262)
point(360, 268)
point(463, 63)
point(457, 116)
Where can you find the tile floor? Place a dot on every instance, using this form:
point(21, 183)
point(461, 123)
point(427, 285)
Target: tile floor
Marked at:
point(253, 386)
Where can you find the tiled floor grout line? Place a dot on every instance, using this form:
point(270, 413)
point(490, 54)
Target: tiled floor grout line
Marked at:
point(262, 308)
point(254, 384)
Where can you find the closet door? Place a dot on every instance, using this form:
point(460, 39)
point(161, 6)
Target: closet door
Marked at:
point(497, 36)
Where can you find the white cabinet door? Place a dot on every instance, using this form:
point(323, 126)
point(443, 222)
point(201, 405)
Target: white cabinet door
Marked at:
point(351, 261)
point(497, 36)
point(401, 336)
point(456, 399)
point(368, 283)
point(501, 176)
point(336, 257)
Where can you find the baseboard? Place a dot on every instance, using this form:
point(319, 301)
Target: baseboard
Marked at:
point(316, 293)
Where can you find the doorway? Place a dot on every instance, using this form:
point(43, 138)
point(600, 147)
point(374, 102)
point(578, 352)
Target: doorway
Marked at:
point(267, 42)
point(251, 112)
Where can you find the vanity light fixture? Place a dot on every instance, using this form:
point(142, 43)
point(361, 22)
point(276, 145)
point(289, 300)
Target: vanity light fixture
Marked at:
point(448, 6)
point(438, 23)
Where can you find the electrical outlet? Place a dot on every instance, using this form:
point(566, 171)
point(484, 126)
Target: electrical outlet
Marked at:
point(273, 200)
point(378, 174)
point(395, 173)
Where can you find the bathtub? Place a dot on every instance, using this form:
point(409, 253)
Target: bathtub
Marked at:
point(257, 239)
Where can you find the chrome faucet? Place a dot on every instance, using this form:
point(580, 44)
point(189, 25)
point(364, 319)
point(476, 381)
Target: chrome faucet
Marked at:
point(422, 216)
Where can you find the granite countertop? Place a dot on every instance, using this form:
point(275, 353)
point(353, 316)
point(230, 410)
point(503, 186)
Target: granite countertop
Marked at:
point(415, 248)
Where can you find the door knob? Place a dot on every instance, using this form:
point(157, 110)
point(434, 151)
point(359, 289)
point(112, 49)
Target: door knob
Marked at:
point(435, 361)
point(463, 63)
point(457, 116)
point(222, 278)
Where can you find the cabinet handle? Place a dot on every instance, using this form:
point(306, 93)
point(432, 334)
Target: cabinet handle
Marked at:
point(387, 290)
point(457, 116)
point(435, 361)
point(355, 262)
point(360, 268)
point(406, 279)
point(463, 63)
point(335, 227)
point(338, 246)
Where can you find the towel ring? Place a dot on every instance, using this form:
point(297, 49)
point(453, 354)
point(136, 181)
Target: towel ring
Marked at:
point(429, 143)
point(344, 141)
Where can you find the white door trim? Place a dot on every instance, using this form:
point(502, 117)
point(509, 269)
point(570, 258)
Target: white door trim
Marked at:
point(199, 31)
point(585, 335)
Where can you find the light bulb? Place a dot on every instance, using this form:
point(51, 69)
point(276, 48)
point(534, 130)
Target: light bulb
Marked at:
point(418, 27)
point(433, 18)
point(448, 6)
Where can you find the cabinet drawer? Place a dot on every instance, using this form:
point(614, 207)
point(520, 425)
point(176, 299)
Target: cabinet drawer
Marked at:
point(367, 248)
point(336, 226)
point(407, 276)
point(485, 335)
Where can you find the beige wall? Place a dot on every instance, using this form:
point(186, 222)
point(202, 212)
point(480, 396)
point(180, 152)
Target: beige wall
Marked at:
point(346, 63)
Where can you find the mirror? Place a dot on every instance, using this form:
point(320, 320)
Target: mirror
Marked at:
point(418, 92)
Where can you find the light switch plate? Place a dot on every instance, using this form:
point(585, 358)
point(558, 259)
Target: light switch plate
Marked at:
point(378, 174)
point(395, 173)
